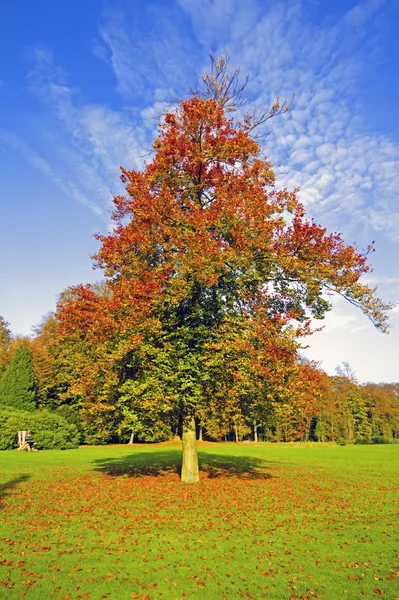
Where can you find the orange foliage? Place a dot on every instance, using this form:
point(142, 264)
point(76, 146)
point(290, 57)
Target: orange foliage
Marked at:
point(211, 269)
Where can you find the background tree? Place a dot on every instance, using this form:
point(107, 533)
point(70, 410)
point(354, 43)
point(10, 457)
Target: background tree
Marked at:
point(352, 411)
point(206, 256)
point(325, 427)
point(17, 386)
point(45, 365)
point(381, 403)
point(5, 343)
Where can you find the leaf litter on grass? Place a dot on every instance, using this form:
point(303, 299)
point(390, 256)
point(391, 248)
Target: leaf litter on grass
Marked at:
point(282, 531)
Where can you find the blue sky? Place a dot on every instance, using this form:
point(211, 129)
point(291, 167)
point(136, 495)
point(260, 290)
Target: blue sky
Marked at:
point(82, 85)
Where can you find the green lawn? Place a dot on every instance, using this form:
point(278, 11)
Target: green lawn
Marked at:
point(267, 521)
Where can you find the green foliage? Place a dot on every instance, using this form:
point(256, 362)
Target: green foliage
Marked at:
point(380, 439)
point(72, 416)
point(5, 341)
point(341, 441)
point(5, 333)
point(142, 424)
point(50, 431)
point(318, 431)
point(376, 439)
point(17, 386)
point(96, 439)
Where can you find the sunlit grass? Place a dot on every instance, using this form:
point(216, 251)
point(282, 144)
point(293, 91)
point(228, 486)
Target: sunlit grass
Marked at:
point(266, 521)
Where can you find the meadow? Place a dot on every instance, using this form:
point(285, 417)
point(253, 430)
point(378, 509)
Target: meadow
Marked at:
point(271, 521)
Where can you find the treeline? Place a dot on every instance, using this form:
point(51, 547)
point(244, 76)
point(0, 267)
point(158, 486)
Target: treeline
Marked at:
point(44, 373)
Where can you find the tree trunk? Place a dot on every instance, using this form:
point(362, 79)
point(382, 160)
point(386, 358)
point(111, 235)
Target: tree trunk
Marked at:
point(190, 469)
point(322, 431)
point(255, 432)
point(306, 433)
point(236, 433)
point(200, 434)
point(131, 438)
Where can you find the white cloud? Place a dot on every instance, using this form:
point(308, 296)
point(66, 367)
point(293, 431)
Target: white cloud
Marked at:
point(347, 174)
point(148, 67)
point(348, 337)
point(89, 142)
point(41, 164)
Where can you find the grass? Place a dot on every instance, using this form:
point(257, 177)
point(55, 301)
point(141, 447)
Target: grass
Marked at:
point(266, 521)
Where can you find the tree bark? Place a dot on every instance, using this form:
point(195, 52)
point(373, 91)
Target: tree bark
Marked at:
point(200, 434)
point(236, 433)
point(131, 438)
point(190, 468)
point(255, 432)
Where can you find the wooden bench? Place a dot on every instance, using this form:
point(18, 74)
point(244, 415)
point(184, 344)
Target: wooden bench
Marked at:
point(22, 443)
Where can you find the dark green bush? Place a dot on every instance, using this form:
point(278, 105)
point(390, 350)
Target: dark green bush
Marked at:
point(50, 431)
point(93, 439)
point(341, 441)
point(380, 439)
point(362, 442)
point(72, 416)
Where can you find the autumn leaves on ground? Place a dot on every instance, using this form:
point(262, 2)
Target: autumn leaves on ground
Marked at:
point(266, 521)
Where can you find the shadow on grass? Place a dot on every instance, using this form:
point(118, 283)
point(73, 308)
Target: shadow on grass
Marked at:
point(156, 464)
point(8, 486)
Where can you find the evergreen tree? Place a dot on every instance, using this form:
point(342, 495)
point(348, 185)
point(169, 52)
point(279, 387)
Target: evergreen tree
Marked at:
point(17, 386)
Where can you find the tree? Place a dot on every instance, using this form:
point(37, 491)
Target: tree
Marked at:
point(46, 369)
point(354, 419)
point(382, 405)
point(17, 386)
point(211, 273)
point(5, 342)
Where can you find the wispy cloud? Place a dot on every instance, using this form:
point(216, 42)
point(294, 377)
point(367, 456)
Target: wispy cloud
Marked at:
point(348, 174)
point(88, 142)
point(41, 164)
point(151, 67)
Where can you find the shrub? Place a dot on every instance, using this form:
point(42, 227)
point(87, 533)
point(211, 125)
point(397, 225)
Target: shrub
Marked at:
point(50, 431)
point(380, 439)
point(72, 416)
point(341, 441)
point(362, 442)
point(96, 439)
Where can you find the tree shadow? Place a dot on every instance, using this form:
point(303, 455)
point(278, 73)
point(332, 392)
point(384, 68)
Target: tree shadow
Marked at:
point(5, 488)
point(244, 467)
point(158, 464)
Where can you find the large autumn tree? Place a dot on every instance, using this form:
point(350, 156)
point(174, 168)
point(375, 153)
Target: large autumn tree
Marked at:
point(212, 275)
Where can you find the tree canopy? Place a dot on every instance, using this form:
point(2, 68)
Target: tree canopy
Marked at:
point(211, 277)
point(5, 342)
